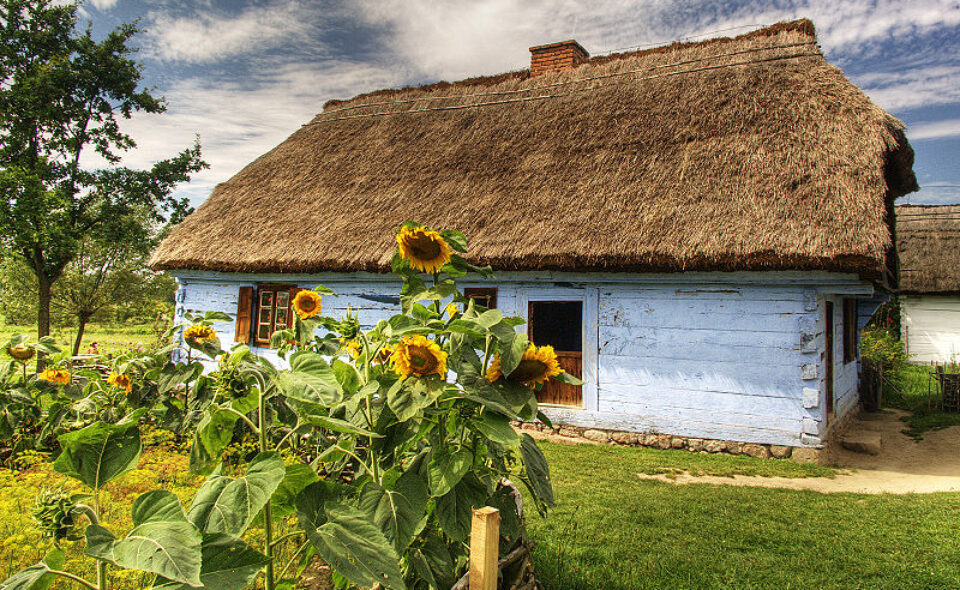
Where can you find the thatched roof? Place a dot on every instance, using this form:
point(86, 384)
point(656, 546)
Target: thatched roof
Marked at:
point(928, 244)
point(729, 154)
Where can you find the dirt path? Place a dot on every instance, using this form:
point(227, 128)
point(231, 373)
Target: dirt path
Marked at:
point(903, 466)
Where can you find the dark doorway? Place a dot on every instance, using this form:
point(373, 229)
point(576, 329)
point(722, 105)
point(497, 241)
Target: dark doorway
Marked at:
point(828, 361)
point(559, 324)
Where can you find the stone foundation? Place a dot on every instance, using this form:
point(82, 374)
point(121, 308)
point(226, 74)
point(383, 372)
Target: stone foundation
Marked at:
point(670, 441)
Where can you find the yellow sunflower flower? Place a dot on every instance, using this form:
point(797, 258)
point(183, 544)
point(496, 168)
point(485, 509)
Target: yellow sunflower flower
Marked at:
point(383, 357)
point(416, 355)
point(120, 380)
point(354, 348)
point(307, 304)
point(424, 248)
point(538, 364)
point(198, 334)
point(21, 352)
point(452, 309)
point(58, 376)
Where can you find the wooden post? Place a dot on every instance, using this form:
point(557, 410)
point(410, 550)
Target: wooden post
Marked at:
point(484, 549)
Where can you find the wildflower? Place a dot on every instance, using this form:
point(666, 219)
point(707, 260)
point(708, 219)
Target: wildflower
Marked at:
point(354, 348)
point(58, 376)
point(424, 248)
point(120, 380)
point(416, 355)
point(21, 352)
point(307, 304)
point(537, 365)
point(198, 334)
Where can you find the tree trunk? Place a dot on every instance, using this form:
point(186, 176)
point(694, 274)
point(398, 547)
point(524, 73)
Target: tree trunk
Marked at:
point(43, 305)
point(82, 319)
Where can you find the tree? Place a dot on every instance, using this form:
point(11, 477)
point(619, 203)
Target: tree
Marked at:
point(102, 274)
point(62, 97)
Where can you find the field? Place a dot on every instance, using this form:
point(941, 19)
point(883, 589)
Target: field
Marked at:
point(612, 530)
point(110, 339)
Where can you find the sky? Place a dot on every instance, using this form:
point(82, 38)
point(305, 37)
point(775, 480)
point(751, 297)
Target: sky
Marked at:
point(245, 74)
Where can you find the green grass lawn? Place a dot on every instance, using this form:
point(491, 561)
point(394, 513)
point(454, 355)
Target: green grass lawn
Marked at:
point(915, 393)
point(611, 530)
point(110, 339)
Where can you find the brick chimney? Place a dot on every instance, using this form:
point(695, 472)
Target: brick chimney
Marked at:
point(556, 57)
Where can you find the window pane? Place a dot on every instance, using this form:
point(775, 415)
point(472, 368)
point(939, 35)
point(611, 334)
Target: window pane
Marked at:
point(266, 298)
point(263, 333)
point(557, 323)
point(281, 315)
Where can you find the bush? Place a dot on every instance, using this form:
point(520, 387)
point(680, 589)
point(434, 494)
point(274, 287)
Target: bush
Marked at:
point(881, 347)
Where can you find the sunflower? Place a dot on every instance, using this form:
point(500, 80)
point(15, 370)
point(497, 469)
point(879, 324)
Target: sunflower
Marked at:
point(198, 334)
point(452, 309)
point(20, 352)
point(354, 348)
point(121, 380)
point(58, 376)
point(538, 364)
point(307, 304)
point(424, 248)
point(415, 355)
point(383, 357)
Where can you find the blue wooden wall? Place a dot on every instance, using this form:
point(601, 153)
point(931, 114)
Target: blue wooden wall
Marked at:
point(732, 356)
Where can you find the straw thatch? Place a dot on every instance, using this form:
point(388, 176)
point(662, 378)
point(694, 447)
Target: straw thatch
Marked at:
point(928, 245)
point(730, 154)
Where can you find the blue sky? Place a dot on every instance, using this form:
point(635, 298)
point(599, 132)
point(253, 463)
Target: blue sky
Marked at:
point(245, 74)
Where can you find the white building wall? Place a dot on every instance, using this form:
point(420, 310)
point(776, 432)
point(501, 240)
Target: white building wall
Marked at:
point(931, 327)
point(732, 356)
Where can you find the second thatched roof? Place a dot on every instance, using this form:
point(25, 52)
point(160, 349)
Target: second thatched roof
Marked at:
point(928, 244)
point(750, 153)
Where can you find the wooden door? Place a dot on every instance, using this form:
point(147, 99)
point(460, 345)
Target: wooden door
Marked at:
point(828, 361)
point(559, 324)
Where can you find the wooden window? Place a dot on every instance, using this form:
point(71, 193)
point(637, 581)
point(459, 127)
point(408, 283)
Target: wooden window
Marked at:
point(273, 311)
point(849, 330)
point(485, 296)
point(244, 315)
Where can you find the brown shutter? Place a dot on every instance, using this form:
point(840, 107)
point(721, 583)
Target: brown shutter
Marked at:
point(244, 314)
point(290, 312)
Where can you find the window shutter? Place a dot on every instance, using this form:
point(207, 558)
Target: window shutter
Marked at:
point(244, 315)
point(293, 293)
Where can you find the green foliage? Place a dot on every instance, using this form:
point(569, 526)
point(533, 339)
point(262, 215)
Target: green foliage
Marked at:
point(883, 348)
point(63, 96)
point(400, 449)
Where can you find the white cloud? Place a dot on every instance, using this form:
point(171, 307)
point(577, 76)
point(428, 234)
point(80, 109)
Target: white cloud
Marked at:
point(104, 4)
point(913, 87)
point(206, 37)
point(463, 37)
point(934, 129)
point(236, 124)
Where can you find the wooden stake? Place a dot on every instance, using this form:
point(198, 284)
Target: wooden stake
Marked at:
point(484, 549)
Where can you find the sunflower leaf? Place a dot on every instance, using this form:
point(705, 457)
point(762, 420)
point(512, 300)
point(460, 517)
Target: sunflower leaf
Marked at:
point(455, 239)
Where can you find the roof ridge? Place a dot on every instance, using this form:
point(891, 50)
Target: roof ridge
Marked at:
point(800, 25)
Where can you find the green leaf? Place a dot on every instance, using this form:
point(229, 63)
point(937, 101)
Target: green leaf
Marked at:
point(310, 379)
point(537, 470)
point(404, 402)
point(568, 379)
point(36, 577)
point(497, 428)
point(455, 510)
point(214, 433)
point(228, 505)
point(446, 469)
point(100, 452)
point(295, 479)
point(337, 425)
point(455, 239)
point(432, 563)
point(347, 539)
point(174, 375)
point(227, 564)
point(511, 351)
point(164, 544)
point(399, 512)
point(217, 316)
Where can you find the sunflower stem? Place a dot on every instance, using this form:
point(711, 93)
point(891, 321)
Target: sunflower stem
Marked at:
point(267, 508)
